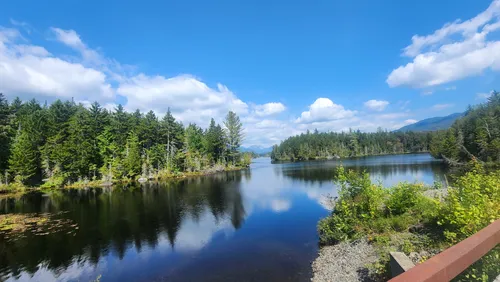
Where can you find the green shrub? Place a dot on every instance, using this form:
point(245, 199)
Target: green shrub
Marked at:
point(472, 205)
point(360, 198)
point(403, 197)
point(360, 201)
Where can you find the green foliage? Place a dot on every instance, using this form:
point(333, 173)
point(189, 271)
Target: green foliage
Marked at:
point(66, 143)
point(132, 159)
point(403, 197)
point(234, 130)
point(485, 269)
point(350, 144)
point(472, 205)
point(402, 218)
point(360, 201)
point(24, 158)
point(476, 136)
point(5, 132)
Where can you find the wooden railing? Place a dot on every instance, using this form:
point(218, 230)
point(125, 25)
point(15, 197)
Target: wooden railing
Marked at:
point(454, 260)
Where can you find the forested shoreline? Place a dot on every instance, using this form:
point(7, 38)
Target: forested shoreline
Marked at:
point(421, 220)
point(66, 143)
point(474, 136)
point(327, 145)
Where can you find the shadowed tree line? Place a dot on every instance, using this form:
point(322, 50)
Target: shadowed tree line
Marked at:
point(114, 219)
point(327, 145)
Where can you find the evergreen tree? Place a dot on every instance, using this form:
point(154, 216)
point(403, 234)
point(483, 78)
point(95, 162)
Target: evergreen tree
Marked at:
point(234, 135)
point(23, 162)
point(120, 126)
point(132, 158)
point(78, 147)
point(214, 142)
point(4, 132)
point(171, 134)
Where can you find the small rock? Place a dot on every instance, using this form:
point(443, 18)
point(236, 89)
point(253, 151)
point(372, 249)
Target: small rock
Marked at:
point(415, 257)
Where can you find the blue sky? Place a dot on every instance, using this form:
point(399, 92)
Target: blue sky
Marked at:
point(283, 66)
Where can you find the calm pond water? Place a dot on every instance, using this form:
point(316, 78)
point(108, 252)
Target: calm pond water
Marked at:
point(253, 225)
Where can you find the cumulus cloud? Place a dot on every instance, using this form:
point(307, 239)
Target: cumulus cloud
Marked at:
point(188, 98)
point(439, 58)
point(269, 109)
point(323, 110)
point(376, 105)
point(31, 71)
point(439, 107)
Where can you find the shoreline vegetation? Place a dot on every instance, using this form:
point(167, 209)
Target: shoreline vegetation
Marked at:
point(18, 189)
point(335, 157)
point(474, 136)
point(69, 145)
point(418, 220)
point(333, 145)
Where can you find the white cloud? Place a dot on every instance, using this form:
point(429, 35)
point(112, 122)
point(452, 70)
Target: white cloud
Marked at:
point(269, 109)
point(438, 59)
point(323, 110)
point(439, 107)
point(410, 121)
point(427, 93)
point(376, 105)
point(31, 71)
point(267, 123)
point(450, 88)
point(27, 27)
point(189, 99)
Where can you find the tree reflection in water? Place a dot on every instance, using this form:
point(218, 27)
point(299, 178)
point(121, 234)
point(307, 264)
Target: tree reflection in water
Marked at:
point(113, 219)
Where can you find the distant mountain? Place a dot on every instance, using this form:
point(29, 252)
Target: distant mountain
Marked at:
point(431, 124)
point(257, 149)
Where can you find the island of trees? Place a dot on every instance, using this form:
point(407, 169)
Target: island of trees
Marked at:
point(66, 143)
point(328, 145)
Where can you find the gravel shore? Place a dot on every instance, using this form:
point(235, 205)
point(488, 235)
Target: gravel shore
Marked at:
point(344, 262)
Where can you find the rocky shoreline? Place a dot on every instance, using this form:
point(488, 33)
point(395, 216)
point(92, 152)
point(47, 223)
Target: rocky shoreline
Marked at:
point(345, 261)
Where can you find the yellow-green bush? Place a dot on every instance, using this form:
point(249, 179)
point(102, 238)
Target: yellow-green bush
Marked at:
point(473, 204)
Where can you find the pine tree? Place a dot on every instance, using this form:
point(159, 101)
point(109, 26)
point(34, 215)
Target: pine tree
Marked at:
point(214, 142)
point(132, 160)
point(23, 160)
point(120, 126)
point(4, 132)
point(171, 134)
point(78, 147)
point(234, 134)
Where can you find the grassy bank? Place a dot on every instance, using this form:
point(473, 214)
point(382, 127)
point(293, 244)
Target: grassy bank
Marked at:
point(18, 189)
point(402, 218)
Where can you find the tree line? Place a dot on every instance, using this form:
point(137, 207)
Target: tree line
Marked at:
point(66, 142)
point(476, 136)
point(327, 145)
